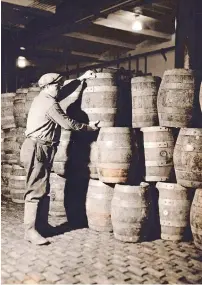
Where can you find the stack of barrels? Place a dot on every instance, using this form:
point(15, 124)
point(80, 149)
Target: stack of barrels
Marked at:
point(165, 112)
point(13, 125)
point(114, 202)
point(124, 164)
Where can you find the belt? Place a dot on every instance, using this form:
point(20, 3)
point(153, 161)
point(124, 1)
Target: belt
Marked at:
point(48, 143)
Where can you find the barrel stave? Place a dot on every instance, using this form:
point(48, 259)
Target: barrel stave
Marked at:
point(57, 189)
point(116, 151)
point(196, 218)
point(130, 212)
point(98, 206)
point(188, 157)
point(174, 209)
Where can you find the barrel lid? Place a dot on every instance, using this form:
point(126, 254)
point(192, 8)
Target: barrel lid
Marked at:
point(179, 71)
point(172, 186)
point(191, 131)
point(154, 129)
point(145, 79)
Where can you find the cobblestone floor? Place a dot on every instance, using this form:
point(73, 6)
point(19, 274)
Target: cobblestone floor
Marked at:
point(87, 257)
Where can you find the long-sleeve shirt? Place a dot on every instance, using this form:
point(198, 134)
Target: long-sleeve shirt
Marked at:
point(44, 117)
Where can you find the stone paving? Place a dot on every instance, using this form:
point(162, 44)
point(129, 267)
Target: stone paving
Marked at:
point(84, 256)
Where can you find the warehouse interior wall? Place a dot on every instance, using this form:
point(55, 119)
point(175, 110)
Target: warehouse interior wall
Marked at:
point(156, 64)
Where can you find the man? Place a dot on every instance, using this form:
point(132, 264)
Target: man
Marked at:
point(38, 149)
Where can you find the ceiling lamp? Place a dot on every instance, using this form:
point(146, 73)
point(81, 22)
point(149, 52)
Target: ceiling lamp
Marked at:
point(137, 24)
point(21, 62)
point(22, 48)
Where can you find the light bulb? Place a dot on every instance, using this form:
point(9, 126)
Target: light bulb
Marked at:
point(22, 48)
point(137, 25)
point(21, 62)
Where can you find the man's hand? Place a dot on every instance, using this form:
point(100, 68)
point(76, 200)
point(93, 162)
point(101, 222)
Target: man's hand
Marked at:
point(93, 126)
point(88, 74)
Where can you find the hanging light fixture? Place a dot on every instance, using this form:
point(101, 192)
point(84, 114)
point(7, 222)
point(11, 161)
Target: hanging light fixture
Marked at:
point(21, 62)
point(137, 23)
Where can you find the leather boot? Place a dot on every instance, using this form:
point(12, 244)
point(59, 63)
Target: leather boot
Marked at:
point(30, 217)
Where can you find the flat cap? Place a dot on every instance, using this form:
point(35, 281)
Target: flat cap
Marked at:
point(49, 78)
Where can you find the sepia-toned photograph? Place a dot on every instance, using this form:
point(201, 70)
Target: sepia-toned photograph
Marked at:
point(101, 142)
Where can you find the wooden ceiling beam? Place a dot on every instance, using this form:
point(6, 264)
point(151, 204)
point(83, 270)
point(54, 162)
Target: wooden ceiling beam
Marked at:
point(96, 57)
point(100, 40)
point(115, 24)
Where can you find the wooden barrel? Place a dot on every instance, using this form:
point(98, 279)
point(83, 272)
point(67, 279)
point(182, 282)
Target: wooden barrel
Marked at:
point(98, 206)
point(196, 218)
point(20, 137)
point(57, 188)
point(130, 212)
point(5, 176)
point(188, 157)
point(116, 149)
point(84, 154)
point(158, 150)
point(144, 101)
point(176, 98)
point(174, 211)
point(31, 94)
point(17, 183)
point(19, 107)
point(7, 117)
point(99, 100)
point(10, 146)
point(61, 158)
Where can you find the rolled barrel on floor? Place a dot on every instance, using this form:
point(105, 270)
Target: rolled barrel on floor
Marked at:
point(174, 211)
point(99, 100)
point(158, 149)
point(17, 183)
point(57, 189)
point(176, 98)
point(130, 212)
point(188, 157)
point(98, 206)
point(196, 218)
point(116, 149)
point(144, 101)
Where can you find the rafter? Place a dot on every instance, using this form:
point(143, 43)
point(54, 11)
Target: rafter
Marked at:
point(101, 40)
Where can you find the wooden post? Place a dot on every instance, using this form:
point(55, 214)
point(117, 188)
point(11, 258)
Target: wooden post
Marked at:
point(188, 53)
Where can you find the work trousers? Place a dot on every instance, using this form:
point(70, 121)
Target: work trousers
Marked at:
point(37, 159)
